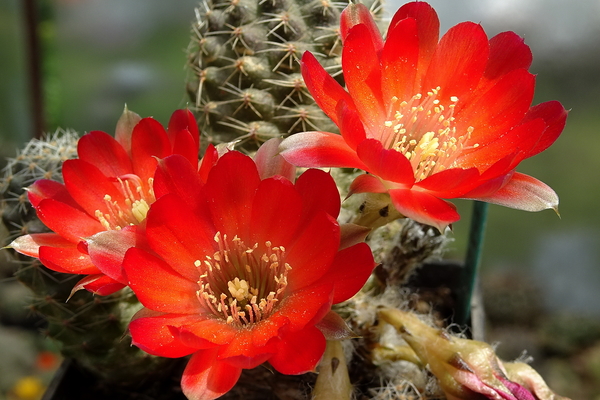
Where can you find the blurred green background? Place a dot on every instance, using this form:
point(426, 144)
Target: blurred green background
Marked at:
point(101, 54)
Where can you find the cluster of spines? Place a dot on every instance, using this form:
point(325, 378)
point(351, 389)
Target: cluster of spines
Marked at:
point(39, 159)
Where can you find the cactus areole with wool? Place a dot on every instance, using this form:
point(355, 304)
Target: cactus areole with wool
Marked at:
point(430, 120)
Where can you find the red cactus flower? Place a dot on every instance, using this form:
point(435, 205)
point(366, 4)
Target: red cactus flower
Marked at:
point(430, 120)
point(243, 272)
point(107, 190)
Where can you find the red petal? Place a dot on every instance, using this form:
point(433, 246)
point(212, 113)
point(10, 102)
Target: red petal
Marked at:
point(319, 192)
point(150, 332)
point(186, 146)
point(389, 165)
point(175, 174)
point(488, 187)
point(276, 212)
point(305, 306)
point(501, 167)
point(319, 149)
point(107, 250)
point(351, 126)
point(67, 221)
point(425, 208)
point(208, 161)
point(100, 285)
point(349, 271)
point(245, 362)
point(399, 60)
point(148, 140)
point(189, 339)
point(555, 116)
point(105, 153)
point(268, 330)
point(206, 378)
point(47, 189)
point(520, 139)
point(362, 72)
point(299, 352)
point(230, 189)
point(459, 61)
point(242, 352)
point(67, 258)
point(524, 193)
point(497, 110)
point(30, 244)
point(184, 120)
point(450, 183)
point(178, 235)
point(508, 52)
point(494, 177)
point(359, 14)
point(89, 186)
point(158, 286)
point(366, 184)
point(326, 91)
point(270, 163)
point(215, 331)
point(311, 254)
point(428, 29)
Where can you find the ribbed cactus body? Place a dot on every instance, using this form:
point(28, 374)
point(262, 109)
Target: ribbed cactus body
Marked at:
point(89, 328)
point(246, 83)
point(39, 159)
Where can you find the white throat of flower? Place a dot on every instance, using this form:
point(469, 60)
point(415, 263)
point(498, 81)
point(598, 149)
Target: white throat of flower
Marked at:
point(424, 130)
point(133, 210)
point(240, 285)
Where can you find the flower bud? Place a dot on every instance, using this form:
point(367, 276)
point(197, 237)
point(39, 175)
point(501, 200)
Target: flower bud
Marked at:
point(467, 369)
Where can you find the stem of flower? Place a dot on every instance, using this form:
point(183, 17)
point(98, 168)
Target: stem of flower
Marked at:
point(472, 260)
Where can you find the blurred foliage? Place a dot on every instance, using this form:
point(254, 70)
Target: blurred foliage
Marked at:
point(14, 124)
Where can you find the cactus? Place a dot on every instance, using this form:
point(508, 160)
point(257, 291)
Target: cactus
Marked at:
point(89, 328)
point(245, 79)
point(39, 159)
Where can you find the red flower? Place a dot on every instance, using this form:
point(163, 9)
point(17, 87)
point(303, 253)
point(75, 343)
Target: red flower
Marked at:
point(430, 120)
point(242, 272)
point(106, 194)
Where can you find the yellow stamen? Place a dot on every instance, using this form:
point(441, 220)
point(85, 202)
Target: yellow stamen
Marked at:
point(424, 130)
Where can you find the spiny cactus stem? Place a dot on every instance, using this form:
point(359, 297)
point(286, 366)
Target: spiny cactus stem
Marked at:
point(303, 116)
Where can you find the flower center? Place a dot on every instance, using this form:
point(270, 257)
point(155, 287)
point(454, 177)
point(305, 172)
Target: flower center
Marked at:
point(239, 284)
point(424, 131)
point(133, 209)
